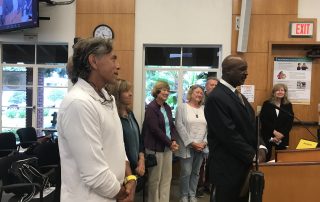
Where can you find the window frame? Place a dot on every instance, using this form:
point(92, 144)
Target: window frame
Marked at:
point(35, 66)
point(180, 69)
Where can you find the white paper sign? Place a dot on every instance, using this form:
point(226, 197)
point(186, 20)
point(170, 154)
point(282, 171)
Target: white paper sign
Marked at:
point(248, 92)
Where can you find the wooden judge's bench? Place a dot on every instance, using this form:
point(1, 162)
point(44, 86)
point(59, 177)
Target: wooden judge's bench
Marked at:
point(294, 177)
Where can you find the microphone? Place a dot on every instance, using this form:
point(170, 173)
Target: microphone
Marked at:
point(299, 121)
point(284, 111)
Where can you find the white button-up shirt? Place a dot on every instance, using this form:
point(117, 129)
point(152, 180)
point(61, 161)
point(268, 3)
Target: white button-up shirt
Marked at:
point(91, 146)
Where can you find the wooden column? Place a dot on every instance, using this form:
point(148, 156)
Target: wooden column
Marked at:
point(120, 16)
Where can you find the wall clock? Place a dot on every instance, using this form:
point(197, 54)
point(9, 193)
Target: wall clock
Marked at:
point(103, 31)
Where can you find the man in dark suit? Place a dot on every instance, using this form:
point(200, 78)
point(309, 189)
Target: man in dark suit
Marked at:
point(231, 132)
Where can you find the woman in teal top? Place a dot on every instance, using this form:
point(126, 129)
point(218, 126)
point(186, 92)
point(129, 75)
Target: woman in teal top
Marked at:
point(122, 91)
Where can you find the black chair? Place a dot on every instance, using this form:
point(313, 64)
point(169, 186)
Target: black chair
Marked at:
point(5, 180)
point(7, 143)
point(10, 186)
point(28, 137)
point(49, 158)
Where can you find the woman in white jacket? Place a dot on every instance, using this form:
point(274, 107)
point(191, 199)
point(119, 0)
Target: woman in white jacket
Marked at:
point(192, 128)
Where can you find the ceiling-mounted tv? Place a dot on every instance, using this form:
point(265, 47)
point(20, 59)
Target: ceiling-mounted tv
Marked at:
point(18, 14)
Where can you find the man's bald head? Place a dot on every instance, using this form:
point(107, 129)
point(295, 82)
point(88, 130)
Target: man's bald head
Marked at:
point(231, 62)
point(234, 70)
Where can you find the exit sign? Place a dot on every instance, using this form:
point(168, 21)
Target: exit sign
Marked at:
point(301, 29)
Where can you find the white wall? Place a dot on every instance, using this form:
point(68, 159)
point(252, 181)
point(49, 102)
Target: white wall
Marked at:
point(178, 22)
point(310, 9)
point(60, 27)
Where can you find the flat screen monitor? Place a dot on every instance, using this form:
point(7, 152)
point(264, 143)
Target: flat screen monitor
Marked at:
point(18, 14)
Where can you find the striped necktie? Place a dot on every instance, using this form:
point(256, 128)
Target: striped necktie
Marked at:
point(239, 96)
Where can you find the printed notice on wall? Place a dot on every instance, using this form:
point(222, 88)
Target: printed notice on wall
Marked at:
point(248, 92)
point(295, 72)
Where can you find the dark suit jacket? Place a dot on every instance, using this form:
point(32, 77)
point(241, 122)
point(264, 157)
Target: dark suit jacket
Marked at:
point(231, 137)
point(270, 121)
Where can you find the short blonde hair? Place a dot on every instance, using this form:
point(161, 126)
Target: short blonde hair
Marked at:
point(190, 91)
point(158, 87)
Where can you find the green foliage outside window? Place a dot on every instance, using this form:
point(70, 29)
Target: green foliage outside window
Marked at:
point(11, 113)
point(56, 95)
point(21, 113)
point(169, 76)
point(18, 97)
point(46, 112)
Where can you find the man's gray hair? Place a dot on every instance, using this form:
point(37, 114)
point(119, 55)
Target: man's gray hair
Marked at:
point(82, 50)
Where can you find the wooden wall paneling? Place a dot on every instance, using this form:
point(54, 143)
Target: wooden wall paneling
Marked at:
point(265, 28)
point(259, 33)
point(265, 24)
point(236, 7)
point(125, 59)
point(298, 155)
point(259, 97)
point(257, 75)
point(121, 24)
point(268, 7)
point(105, 6)
point(257, 69)
point(298, 182)
point(279, 7)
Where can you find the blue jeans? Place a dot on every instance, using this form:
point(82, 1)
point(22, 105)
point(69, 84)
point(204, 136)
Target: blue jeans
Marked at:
point(189, 173)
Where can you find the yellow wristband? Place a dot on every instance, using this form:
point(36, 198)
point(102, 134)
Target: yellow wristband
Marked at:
point(129, 178)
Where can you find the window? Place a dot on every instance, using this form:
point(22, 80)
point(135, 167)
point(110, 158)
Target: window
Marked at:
point(16, 53)
point(181, 67)
point(34, 82)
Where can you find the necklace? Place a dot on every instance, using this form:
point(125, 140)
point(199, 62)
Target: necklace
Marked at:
point(195, 111)
point(105, 100)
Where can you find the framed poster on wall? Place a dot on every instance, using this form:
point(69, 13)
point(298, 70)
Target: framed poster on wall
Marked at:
point(295, 72)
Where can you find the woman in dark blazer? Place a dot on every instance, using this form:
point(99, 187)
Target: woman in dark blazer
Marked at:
point(276, 124)
point(159, 135)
